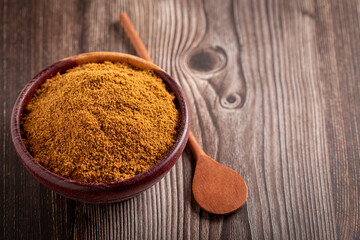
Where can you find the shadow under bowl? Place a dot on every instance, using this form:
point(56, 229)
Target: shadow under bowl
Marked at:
point(98, 192)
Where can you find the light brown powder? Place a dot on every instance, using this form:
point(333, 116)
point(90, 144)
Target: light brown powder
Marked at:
point(101, 122)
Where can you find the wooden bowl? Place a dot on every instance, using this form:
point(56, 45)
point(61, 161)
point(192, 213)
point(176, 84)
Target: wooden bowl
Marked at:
point(98, 192)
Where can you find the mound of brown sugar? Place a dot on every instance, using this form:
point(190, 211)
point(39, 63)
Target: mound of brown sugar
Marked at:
point(101, 122)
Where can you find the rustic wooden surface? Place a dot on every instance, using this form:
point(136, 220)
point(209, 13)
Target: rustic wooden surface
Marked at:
point(274, 89)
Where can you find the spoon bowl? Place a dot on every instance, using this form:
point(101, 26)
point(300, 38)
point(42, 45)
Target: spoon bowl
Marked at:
point(216, 188)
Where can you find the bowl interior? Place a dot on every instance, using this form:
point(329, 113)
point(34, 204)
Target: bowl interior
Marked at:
point(98, 192)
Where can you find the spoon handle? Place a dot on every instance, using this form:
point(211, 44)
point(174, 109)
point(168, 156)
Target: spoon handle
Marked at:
point(134, 37)
point(195, 146)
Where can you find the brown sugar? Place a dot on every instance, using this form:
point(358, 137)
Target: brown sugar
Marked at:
point(101, 122)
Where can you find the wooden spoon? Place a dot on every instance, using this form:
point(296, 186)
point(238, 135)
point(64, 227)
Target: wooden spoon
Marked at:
point(216, 188)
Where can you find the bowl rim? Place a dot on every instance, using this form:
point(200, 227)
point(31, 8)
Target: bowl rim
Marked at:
point(158, 169)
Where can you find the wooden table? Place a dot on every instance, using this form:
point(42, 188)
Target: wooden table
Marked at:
point(274, 92)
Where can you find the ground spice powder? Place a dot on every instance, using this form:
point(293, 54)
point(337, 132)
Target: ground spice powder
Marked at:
point(101, 122)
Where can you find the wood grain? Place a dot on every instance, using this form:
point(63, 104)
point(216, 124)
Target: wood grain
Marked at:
point(274, 89)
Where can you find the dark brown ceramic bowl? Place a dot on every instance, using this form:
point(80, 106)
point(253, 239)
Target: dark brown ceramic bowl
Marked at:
point(98, 192)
